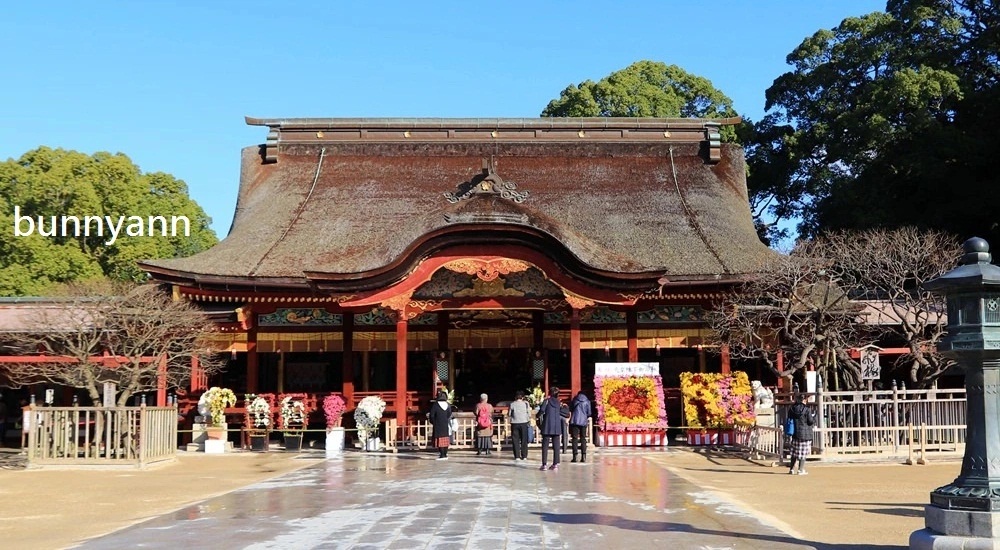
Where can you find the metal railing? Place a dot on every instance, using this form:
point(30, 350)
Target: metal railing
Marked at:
point(98, 436)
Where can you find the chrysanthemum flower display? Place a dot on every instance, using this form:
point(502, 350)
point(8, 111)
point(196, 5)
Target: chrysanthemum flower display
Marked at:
point(717, 400)
point(630, 403)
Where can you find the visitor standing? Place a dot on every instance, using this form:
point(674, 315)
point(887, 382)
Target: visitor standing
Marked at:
point(802, 420)
point(484, 425)
point(520, 415)
point(440, 417)
point(578, 420)
point(551, 415)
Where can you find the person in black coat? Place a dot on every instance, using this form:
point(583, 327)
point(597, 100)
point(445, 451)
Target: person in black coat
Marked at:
point(578, 421)
point(551, 416)
point(440, 417)
point(802, 419)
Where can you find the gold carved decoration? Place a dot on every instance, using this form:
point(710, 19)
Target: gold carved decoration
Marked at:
point(486, 288)
point(398, 302)
point(487, 270)
point(577, 302)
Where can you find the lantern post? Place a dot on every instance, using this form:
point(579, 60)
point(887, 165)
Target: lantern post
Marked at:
point(966, 512)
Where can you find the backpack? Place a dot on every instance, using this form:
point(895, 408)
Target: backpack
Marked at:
point(484, 418)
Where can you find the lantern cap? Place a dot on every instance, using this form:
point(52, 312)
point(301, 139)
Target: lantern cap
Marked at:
point(974, 270)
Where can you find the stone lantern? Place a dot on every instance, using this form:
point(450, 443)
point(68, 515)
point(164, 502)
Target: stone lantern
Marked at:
point(966, 512)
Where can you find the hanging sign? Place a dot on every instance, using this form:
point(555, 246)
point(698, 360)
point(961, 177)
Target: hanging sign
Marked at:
point(627, 369)
point(870, 367)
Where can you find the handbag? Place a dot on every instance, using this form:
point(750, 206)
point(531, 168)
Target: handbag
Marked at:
point(790, 426)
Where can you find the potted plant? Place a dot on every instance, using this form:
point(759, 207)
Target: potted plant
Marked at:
point(367, 416)
point(258, 412)
point(212, 405)
point(293, 420)
point(333, 410)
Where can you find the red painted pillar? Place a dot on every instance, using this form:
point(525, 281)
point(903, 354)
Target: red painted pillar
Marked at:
point(253, 364)
point(574, 352)
point(199, 381)
point(401, 368)
point(347, 387)
point(161, 382)
point(632, 330)
point(780, 361)
point(724, 353)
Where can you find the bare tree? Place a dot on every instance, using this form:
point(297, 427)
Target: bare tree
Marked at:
point(887, 269)
point(840, 292)
point(130, 338)
point(794, 305)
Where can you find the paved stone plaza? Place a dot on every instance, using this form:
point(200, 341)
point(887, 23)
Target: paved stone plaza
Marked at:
point(413, 501)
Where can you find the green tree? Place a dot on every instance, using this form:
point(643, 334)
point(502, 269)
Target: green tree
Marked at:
point(645, 89)
point(54, 182)
point(887, 120)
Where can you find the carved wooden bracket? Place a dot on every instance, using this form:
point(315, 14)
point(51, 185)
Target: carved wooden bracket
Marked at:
point(577, 302)
point(487, 270)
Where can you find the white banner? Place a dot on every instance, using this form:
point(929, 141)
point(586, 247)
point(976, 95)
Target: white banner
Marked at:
point(627, 369)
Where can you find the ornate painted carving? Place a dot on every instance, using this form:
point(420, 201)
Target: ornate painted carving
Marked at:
point(577, 302)
point(487, 270)
point(291, 317)
point(446, 283)
point(463, 319)
point(489, 183)
point(672, 314)
point(398, 302)
point(377, 316)
point(601, 315)
point(556, 317)
point(493, 287)
point(425, 319)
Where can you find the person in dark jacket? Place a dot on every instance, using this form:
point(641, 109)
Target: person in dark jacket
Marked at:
point(802, 418)
point(440, 417)
point(550, 422)
point(579, 417)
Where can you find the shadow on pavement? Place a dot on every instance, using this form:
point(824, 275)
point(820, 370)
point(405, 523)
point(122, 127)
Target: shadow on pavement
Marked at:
point(662, 526)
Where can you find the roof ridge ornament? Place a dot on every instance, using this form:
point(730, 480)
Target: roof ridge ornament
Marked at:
point(488, 182)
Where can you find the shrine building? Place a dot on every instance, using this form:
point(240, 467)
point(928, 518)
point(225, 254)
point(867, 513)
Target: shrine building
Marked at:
point(396, 256)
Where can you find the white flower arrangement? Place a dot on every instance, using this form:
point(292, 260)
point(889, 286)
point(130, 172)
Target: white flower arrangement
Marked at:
point(214, 402)
point(259, 411)
point(368, 414)
point(293, 413)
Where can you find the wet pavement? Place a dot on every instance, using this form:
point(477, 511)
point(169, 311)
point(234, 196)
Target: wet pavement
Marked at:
point(369, 501)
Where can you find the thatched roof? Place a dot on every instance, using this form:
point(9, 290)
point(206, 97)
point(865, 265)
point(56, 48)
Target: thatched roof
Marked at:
point(362, 201)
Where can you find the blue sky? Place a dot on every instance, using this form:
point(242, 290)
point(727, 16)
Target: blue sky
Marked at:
point(168, 83)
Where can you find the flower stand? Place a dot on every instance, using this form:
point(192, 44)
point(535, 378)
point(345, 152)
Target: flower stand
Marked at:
point(293, 441)
point(711, 437)
point(334, 442)
point(373, 444)
point(215, 446)
point(651, 438)
point(258, 442)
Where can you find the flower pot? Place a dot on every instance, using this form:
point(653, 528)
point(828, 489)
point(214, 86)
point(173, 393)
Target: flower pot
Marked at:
point(217, 432)
point(334, 441)
point(293, 442)
point(373, 444)
point(258, 442)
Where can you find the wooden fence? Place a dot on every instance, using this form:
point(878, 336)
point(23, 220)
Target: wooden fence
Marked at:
point(417, 435)
point(875, 424)
point(97, 436)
